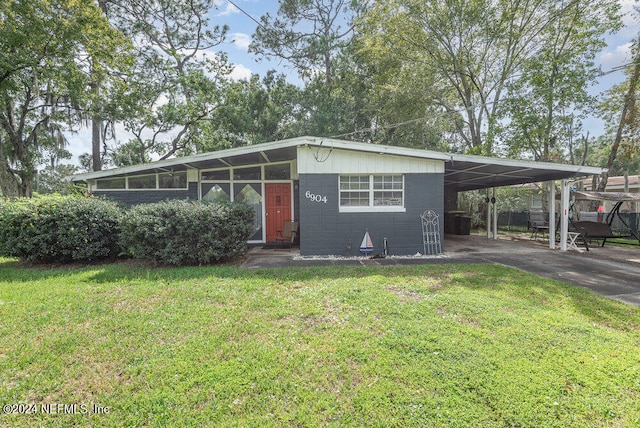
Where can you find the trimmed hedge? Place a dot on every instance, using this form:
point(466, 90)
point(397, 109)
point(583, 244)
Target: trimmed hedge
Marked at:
point(56, 228)
point(180, 232)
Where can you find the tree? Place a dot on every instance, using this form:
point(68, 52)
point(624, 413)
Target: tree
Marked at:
point(546, 101)
point(308, 33)
point(627, 129)
point(44, 76)
point(177, 81)
point(470, 50)
point(315, 37)
point(254, 111)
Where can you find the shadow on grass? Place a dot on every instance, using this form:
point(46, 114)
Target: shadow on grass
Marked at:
point(523, 286)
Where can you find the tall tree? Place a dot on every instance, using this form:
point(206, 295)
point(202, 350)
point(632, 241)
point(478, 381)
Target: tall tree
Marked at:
point(308, 33)
point(471, 50)
point(44, 76)
point(254, 111)
point(627, 127)
point(178, 80)
point(546, 101)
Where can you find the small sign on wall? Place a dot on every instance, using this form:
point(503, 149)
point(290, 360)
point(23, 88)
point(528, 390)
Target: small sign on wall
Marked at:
point(315, 198)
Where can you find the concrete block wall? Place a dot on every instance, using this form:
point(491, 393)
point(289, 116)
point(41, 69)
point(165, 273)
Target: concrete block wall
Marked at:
point(326, 231)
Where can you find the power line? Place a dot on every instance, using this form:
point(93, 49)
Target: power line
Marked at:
point(248, 15)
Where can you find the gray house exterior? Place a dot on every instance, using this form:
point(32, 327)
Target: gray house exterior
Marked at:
point(335, 189)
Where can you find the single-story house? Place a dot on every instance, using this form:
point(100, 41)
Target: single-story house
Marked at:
point(334, 189)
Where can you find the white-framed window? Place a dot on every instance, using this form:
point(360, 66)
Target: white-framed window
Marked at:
point(373, 193)
point(161, 181)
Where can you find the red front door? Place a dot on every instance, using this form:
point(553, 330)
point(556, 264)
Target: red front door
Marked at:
point(278, 207)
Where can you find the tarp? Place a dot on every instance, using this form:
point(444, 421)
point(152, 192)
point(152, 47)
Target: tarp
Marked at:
point(606, 196)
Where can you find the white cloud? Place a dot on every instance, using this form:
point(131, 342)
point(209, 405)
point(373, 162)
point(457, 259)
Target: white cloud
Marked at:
point(240, 72)
point(615, 56)
point(229, 10)
point(630, 16)
point(241, 40)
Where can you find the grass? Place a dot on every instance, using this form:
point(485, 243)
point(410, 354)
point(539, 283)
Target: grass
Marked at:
point(446, 346)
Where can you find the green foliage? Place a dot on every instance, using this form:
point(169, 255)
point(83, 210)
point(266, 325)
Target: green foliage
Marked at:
point(309, 35)
point(176, 83)
point(547, 100)
point(182, 232)
point(463, 55)
point(254, 111)
point(44, 76)
point(58, 228)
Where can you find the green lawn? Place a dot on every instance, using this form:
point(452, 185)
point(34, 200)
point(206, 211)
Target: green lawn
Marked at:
point(453, 345)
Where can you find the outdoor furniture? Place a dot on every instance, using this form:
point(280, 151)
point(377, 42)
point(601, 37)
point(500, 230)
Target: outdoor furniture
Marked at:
point(588, 216)
point(594, 230)
point(571, 241)
point(537, 224)
point(289, 234)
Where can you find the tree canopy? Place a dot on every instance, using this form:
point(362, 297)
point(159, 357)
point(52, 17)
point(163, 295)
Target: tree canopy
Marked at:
point(44, 76)
point(484, 76)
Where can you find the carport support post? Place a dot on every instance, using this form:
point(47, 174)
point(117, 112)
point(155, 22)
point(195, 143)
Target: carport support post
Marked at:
point(552, 215)
point(488, 215)
point(495, 214)
point(564, 215)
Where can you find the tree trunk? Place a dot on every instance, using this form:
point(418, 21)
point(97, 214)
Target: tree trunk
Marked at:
point(627, 107)
point(96, 159)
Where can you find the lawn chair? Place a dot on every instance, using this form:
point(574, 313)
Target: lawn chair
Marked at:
point(538, 223)
point(289, 234)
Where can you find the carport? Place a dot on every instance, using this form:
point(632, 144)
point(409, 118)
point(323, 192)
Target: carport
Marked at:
point(469, 172)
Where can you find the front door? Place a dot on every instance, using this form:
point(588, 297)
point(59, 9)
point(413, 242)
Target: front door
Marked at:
point(277, 207)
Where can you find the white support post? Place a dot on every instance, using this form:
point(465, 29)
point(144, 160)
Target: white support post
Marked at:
point(495, 214)
point(552, 214)
point(488, 216)
point(564, 215)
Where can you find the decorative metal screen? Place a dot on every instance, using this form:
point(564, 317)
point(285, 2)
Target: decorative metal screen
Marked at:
point(431, 233)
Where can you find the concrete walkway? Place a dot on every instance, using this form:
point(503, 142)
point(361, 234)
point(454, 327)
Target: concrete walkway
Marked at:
point(611, 271)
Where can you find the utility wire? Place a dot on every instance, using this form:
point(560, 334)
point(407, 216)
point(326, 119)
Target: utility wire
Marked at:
point(248, 15)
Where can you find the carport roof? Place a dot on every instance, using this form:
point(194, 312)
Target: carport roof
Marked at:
point(462, 172)
point(468, 172)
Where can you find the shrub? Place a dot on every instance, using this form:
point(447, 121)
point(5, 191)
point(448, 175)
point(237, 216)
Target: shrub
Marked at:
point(56, 228)
point(182, 232)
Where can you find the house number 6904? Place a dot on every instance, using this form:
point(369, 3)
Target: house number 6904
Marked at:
point(315, 198)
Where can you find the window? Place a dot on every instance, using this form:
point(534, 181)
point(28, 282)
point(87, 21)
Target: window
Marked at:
point(277, 172)
point(111, 183)
point(216, 194)
point(219, 175)
point(142, 182)
point(387, 190)
point(371, 193)
point(253, 173)
point(173, 180)
point(166, 180)
point(354, 191)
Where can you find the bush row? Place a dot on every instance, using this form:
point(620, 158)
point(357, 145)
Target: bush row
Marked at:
point(65, 229)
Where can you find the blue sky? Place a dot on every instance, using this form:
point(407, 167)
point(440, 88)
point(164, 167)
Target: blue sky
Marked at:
point(241, 28)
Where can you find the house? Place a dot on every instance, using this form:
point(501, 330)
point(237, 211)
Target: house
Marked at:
point(335, 189)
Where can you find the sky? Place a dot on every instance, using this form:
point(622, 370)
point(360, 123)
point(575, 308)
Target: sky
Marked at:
point(241, 28)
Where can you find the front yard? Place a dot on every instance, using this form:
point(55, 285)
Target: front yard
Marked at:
point(127, 345)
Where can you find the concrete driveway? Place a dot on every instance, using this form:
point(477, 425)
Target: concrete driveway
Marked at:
point(611, 271)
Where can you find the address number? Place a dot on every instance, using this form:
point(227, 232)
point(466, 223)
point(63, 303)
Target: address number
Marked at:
point(315, 198)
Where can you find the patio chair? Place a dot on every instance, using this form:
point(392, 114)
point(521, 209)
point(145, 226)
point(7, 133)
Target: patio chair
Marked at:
point(289, 234)
point(537, 223)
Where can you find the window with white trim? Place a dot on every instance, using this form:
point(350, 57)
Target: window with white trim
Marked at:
point(371, 193)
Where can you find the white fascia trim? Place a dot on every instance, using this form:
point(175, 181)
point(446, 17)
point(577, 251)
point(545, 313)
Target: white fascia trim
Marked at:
point(586, 170)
